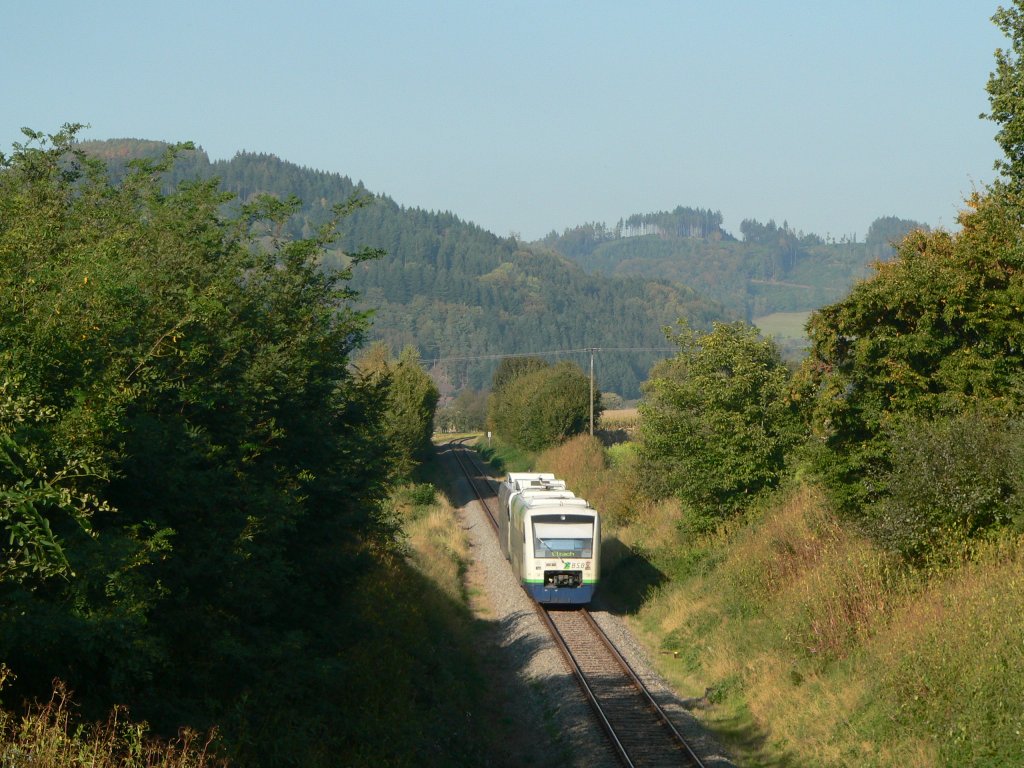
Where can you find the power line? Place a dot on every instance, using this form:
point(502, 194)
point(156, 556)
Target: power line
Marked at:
point(582, 350)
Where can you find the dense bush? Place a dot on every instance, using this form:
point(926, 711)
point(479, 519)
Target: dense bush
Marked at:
point(408, 421)
point(543, 405)
point(949, 479)
point(717, 420)
point(936, 333)
point(183, 442)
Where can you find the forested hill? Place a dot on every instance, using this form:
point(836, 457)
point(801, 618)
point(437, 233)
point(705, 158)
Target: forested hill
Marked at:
point(772, 269)
point(454, 290)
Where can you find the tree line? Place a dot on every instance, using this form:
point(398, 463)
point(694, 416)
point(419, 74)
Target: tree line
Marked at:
point(773, 268)
point(194, 461)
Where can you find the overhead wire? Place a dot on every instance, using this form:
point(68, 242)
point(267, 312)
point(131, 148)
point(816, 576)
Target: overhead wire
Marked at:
point(581, 350)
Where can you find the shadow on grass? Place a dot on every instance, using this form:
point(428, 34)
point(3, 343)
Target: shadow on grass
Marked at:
point(750, 741)
point(490, 455)
point(627, 578)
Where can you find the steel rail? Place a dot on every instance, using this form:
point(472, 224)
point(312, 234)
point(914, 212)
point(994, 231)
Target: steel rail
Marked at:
point(641, 687)
point(460, 457)
point(588, 692)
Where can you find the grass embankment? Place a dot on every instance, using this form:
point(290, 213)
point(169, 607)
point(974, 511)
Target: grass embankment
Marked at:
point(819, 648)
point(503, 457)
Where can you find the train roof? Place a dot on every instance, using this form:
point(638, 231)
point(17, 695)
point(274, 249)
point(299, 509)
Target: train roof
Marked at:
point(516, 476)
point(547, 493)
point(522, 480)
point(536, 503)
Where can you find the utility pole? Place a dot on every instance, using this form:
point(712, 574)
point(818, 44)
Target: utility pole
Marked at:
point(592, 350)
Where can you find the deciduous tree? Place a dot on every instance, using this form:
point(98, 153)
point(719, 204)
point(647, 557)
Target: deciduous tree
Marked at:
point(717, 419)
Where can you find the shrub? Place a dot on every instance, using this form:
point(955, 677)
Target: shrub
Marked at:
point(717, 421)
point(46, 736)
point(950, 479)
point(542, 407)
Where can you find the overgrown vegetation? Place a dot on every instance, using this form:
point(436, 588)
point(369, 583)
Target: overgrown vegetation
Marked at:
point(193, 486)
point(49, 736)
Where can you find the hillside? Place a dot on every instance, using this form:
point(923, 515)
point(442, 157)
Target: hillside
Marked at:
point(453, 290)
point(463, 297)
point(772, 269)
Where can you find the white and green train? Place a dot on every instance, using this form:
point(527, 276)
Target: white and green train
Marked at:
point(551, 538)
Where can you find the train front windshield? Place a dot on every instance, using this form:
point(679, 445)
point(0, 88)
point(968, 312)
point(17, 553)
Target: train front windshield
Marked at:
point(563, 536)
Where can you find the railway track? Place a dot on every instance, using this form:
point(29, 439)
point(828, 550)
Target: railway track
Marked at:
point(638, 730)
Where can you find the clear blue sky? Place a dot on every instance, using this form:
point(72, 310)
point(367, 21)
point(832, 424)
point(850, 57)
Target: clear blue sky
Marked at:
point(542, 114)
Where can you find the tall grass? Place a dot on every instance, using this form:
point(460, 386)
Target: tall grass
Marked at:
point(47, 736)
point(436, 543)
point(825, 587)
point(822, 650)
point(952, 667)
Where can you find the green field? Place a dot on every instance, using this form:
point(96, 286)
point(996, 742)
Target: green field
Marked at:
point(783, 325)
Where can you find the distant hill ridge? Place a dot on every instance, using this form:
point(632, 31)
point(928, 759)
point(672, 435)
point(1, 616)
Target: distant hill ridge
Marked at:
point(455, 291)
point(773, 269)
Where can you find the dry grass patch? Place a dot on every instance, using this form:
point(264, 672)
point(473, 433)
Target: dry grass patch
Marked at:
point(48, 736)
point(440, 550)
point(620, 418)
point(826, 587)
point(787, 542)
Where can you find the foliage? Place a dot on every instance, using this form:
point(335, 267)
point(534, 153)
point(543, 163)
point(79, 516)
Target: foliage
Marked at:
point(1004, 95)
point(511, 368)
point(950, 478)
point(32, 493)
point(183, 440)
point(543, 405)
point(936, 332)
point(411, 402)
point(717, 420)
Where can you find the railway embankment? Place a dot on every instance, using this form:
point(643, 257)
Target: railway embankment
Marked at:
point(800, 642)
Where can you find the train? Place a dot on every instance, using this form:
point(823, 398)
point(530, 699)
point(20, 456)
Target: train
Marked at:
point(551, 537)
